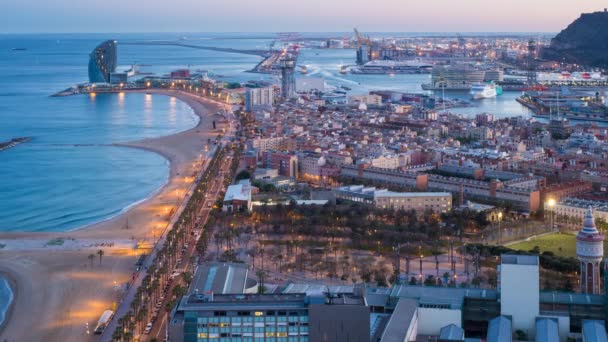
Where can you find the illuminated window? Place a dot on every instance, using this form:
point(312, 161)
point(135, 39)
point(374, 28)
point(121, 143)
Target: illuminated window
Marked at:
point(258, 313)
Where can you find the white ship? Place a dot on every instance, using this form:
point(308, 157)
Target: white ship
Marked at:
point(483, 91)
point(380, 67)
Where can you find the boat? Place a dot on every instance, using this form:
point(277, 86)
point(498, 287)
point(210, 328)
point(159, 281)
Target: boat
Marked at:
point(459, 77)
point(19, 49)
point(481, 91)
point(382, 67)
point(344, 69)
point(303, 69)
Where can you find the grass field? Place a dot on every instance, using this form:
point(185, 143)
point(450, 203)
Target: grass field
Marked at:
point(560, 244)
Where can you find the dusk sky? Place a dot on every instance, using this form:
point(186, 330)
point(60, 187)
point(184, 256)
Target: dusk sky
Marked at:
point(290, 15)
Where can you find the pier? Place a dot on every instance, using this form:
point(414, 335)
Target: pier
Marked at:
point(13, 142)
point(270, 63)
point(261, 53)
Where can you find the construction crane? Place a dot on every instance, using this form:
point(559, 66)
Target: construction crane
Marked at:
point(361, 40)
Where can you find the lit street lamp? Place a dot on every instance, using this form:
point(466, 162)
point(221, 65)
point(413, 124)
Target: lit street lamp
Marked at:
point(551, 204)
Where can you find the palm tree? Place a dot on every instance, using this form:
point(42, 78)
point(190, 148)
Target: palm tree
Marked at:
point(91, 257)
point(261, 274)
point(100, 253)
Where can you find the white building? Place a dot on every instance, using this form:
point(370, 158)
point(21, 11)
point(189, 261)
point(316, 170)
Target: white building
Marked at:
point(520, 291)
point(238, 196)
point(259, 97)
point(308, 84)
point(371, 99)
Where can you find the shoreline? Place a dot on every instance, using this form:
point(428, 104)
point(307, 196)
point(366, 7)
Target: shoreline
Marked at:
point(62, 280)
point(13, 288)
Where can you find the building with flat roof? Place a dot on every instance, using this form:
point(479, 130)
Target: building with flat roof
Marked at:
point(103, 61)
point(222, 278)
point(439, 202)
point(522, 193)
point(259, 98)
point(332, 317)
point(238, 196)
point(403, 324)
point(519, 290)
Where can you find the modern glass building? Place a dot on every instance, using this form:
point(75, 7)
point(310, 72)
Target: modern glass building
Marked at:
point(103, 61)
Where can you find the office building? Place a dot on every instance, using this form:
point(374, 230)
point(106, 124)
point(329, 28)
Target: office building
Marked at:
point(259, 98)
point(103, 62)
point(301, 317)
point(288, 78)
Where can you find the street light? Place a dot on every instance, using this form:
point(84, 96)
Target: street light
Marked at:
point(499, 231)
point(551, 204)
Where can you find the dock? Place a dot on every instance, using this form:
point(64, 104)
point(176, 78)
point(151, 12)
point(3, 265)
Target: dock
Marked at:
point(13, 142)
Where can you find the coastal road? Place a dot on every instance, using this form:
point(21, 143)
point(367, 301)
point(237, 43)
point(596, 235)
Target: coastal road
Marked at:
point(125, 304)
point(159, 329)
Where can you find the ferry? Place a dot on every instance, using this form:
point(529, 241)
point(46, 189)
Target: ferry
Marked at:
point(380, 67)
point(484, 91)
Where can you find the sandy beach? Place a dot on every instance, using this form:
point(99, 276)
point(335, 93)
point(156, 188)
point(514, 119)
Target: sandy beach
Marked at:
point(59, 290)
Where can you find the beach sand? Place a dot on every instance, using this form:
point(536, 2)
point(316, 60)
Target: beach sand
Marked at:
point(58, 290)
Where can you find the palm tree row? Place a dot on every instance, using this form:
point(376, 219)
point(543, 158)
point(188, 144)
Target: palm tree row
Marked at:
point(155, 284)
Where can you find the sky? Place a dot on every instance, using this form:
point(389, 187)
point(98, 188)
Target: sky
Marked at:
point(67, 16)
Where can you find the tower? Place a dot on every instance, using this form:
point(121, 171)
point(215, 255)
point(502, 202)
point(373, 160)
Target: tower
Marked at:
point(531, 62)
point(589, 251)
point(288, 79)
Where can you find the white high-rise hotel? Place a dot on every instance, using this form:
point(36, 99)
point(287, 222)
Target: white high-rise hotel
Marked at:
point(589, 251)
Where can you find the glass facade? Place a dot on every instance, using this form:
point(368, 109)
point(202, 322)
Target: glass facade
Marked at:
point(253, 326)
point(102, 62)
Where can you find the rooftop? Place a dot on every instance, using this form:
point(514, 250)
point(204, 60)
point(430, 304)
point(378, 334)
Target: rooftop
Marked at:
point(220, 278)
point(397, 326)
point(512, 259)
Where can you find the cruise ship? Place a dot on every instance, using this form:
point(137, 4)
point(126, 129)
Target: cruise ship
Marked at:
point(381, 67)
point(460, 77)
point(481, 91)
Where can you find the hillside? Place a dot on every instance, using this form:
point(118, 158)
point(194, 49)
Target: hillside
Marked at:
point(584, 41)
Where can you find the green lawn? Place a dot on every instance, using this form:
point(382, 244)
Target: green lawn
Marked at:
point(560, 244)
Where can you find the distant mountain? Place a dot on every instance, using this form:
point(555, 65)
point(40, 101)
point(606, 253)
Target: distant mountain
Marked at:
point(584, 41)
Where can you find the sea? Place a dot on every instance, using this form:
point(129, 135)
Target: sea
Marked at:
point(71, 175)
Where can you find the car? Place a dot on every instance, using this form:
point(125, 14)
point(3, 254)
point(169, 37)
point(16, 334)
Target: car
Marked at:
point(148, 328)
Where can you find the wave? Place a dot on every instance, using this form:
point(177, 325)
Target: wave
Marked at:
point(6, 298)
